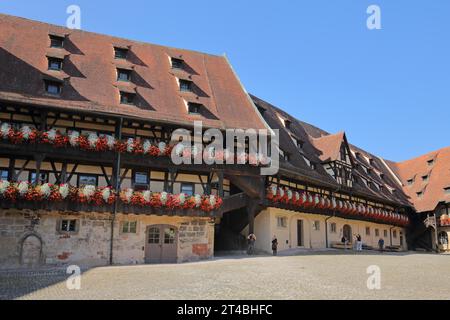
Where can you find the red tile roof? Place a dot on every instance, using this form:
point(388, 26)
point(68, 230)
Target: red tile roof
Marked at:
point(433, 188)
point(329, 146)
point(90, 76)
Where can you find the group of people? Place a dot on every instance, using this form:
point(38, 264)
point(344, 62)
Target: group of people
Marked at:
point(359, 243)
point(251, 239)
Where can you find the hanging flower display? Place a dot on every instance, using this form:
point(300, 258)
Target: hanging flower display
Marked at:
point(285, 195)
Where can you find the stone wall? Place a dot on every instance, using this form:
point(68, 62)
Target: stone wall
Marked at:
point(31, 238)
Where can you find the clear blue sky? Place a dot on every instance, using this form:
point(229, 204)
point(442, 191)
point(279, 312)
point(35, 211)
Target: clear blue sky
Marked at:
point(388, 89)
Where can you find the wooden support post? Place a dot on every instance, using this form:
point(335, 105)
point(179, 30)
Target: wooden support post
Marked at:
point(38, 159)
point(12, 170)
point(220, 175)
point(43, 122)
point(63, 175)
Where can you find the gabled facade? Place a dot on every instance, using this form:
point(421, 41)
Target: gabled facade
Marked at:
point(86, 177)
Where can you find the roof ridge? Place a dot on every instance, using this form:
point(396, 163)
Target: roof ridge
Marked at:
point(108, 35)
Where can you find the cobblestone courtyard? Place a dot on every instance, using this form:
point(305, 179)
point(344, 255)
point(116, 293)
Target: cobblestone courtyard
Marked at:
point(327, 275)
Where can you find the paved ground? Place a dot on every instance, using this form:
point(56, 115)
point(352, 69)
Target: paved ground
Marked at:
point(322, 275)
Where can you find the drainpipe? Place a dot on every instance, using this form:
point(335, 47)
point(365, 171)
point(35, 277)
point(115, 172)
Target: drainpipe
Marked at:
point(390, 234)
point(326, 229)
point(116, 187)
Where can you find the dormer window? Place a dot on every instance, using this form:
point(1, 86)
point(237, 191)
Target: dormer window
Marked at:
point(56, 41)
point(410, 182)
point(55, 64)
point(127, 98)
point(123, 75)
point(53, 87)
point(419, 194)
point(447, 190)
point(297, 142)
point(185, 85)
point(425, 178)
point(430, 162)
point(177, 63)
point(120, 53)
point(287, 124)
point(194, 108)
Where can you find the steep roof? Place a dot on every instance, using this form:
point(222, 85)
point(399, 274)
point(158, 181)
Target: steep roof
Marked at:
point(329, 145)
point(90, 79)
point(319, 146)
point(428, 176)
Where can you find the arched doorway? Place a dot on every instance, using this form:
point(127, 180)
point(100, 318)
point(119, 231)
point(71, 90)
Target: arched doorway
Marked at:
point(347, 232)
point(161, 244)
point(31, 251)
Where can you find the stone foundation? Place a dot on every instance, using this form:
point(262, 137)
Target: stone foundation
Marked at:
point(34, 238)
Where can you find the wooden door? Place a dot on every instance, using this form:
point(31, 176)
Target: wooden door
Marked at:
point(300, 233)
point(161, 244)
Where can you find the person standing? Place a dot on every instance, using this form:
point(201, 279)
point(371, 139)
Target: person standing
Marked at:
point(274, 245)
point(381, 244)
point(358, 242)
point(251, 243)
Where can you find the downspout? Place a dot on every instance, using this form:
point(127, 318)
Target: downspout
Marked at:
point(390, 234)
point(116, 187)
point(326, 230)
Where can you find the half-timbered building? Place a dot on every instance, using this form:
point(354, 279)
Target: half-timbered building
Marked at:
point(86, 174)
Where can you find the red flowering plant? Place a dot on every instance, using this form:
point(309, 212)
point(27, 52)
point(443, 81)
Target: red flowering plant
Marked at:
point(8, 190)
point(153, 151)
point(210, 203)
point(55, 138)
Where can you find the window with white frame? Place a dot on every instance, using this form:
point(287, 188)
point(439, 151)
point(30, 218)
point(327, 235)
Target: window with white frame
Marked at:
point(316, 225)
point(68, 225)
point(281, 222)
point(333, 227)
point(129, 226)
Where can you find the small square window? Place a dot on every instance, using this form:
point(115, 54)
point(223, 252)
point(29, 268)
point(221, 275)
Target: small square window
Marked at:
point(53, 87)
point(123, 75)
point(129, 227)
point(127, 98)
point(367, 231)
point(194, 108)
point(4, 175)
point(281, 222)
point(68, 225)
point(185, 85)
point(333, 227)
point(177, 63)
point(55, 64)
point(316, 225)
point(140, 181)
point(287, 124)
point(187, 188)
point(56, 41)
point(87, 180)
point(43, 178)
point(120, 53)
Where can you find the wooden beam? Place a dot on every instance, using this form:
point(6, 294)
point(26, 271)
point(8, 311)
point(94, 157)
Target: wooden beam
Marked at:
point(105, 176)
point(12, 169)
point(72, 172)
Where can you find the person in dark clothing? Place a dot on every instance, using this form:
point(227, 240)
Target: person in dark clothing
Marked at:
point(274, 245)
point(381, 244)
point(251, 243)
